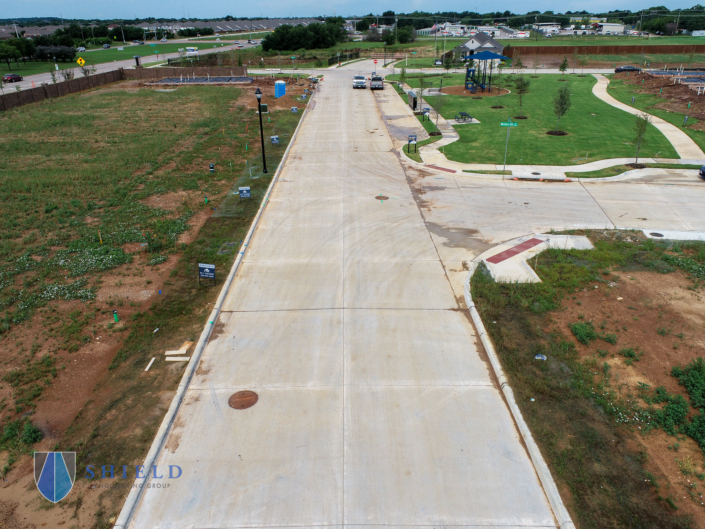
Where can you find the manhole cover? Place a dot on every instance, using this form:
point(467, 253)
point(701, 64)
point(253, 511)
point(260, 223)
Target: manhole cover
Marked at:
point(243, 400)
point(656, 234)
point(381, 197)
point(536, 173)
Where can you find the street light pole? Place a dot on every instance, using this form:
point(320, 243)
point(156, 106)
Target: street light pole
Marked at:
point(258, 93)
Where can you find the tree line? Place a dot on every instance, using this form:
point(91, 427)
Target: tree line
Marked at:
point(311, 37)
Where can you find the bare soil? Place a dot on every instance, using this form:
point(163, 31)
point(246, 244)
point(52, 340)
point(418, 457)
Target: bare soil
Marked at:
point(676, 97)
point(266, 85)
point(662, 317)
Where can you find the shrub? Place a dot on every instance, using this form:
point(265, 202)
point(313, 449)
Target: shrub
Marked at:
point(30, 434)
point(692, 377)
point(584, 332)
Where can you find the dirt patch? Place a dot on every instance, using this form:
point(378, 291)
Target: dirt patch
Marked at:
point(172, 201)
point(661, 317)
point(557, 133)
point(676, 97)
point(462, 91)
point(294, 90)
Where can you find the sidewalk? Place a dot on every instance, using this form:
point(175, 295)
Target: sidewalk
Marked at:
point(684, 145)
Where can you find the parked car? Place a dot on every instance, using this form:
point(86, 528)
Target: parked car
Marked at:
point(627, 68)
point(106, 46)
point(584, 33)
point(359, 82)
point(547, 36)
point(376, 83)
point(11, 78)
point(80, 49)
point(163, 39)
point(135, 42)
point(702, 172)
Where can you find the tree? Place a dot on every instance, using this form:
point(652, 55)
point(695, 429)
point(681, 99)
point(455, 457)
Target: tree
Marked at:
point(406, 35)
point(640, 127)
point(448, 62)
point(561, 103)
point(402, 75)
point(583, 61)
point(9, 53)
point(389, 38)
point(564, 65)
point(521, 88)
point(518, 65)
point(87, 70)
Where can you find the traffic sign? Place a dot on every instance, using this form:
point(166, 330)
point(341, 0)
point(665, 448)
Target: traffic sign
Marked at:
point(375, 61)
point(508, 124)
point(80, 61)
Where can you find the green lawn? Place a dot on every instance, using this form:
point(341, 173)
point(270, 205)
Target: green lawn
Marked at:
point(624, 92)
point(102, 56)
point(606, 134)
point(619, 169)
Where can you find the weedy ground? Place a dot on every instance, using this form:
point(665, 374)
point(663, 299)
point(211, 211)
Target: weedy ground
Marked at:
point(617, 407)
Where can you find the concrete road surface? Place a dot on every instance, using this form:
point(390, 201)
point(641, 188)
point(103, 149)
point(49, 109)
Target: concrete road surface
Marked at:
point(376, 404)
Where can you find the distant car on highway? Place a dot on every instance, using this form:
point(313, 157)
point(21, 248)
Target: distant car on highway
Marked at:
point(141, 43)
point(627, 68)
point(106, 46)
point(11, 78)
point(359, 82)
point(135, 42)
point(702, 172)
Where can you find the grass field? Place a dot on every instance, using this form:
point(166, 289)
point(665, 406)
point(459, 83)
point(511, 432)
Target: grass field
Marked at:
point(596, 131)
point(619, 169)
point(97, 190)
point(624, 92)
point(600, 423)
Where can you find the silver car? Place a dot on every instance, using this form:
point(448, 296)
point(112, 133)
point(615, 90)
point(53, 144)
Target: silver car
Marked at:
point(359, 82)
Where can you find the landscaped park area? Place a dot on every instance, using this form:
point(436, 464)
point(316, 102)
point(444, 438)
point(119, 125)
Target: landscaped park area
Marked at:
point(594, 129)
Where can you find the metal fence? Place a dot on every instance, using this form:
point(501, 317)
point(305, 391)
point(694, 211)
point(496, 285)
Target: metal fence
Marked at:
point(347, 56)
point(513, 51)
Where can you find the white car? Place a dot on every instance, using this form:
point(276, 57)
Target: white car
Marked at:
point(359, 81)
point(80, 49)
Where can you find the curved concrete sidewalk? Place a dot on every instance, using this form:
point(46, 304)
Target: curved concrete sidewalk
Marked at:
point(682, 143)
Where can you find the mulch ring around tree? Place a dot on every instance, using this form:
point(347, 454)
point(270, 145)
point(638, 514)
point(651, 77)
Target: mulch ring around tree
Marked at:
point(557, 133)
point(520, 117)
point(636, 166)
point(497, 106)
point(462, 91)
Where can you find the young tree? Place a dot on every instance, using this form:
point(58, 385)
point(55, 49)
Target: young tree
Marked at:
point(422, 83)
point(521, 88)
point(561, 103)
point(402, 75)
point(575, 60)
point(584, 61)
point(642, 123)
point(564, 65)
point(536, 64)
point(67, 74)
point(518, 65)
point(448, 63)
point(87, 70)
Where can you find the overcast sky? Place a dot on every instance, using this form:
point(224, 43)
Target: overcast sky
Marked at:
point(299, 8)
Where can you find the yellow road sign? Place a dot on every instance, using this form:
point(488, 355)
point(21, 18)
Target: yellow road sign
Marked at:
point(80, 61)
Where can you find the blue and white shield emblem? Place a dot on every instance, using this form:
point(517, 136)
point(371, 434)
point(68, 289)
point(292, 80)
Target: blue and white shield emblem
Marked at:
point(54, 474)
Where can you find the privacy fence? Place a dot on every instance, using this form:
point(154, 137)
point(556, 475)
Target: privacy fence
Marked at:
point(13, 98)
point(524, 51)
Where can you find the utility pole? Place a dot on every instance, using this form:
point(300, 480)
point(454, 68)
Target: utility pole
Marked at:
point(435, 39)
point(16, 33)
point(123, 34)
point(677, 21)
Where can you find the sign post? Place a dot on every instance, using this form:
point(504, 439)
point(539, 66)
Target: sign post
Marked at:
point(206, 271)
point(509, 124)
point(375, 61)
point(412, 141)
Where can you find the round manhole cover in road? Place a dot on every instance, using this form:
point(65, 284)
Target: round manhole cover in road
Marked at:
point(381, 197)
point(243, 400)
point(656, 234)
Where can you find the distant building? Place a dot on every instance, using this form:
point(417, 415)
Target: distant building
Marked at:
point(698, 33)
point(612, 29)
point(477, 43)
point(547, 27)
point(592, 20)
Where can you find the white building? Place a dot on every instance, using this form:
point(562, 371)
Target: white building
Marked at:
point(698, 33)
point(612, 29)
point(547, 27)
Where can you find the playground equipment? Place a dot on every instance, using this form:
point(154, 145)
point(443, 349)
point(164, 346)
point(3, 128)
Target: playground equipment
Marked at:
point(481, 76)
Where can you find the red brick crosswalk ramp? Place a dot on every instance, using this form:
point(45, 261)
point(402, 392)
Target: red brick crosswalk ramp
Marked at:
point(506, 254)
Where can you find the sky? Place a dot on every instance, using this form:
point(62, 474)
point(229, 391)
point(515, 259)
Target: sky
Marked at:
point(110, 9)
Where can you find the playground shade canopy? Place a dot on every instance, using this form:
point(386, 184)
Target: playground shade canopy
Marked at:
point(488, 56)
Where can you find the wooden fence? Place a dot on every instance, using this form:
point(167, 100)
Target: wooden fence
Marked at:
point(524, 51)
point(13, 98)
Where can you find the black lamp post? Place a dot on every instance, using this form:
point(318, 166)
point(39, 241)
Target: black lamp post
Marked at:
point(258, 93)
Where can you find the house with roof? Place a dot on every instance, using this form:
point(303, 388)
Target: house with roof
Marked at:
point(477, 43)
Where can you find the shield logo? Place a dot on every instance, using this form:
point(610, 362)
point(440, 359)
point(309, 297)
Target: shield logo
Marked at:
point(54, 474)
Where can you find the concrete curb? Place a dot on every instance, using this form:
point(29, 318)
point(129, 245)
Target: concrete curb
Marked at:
point(549, 486)
point(135, 494)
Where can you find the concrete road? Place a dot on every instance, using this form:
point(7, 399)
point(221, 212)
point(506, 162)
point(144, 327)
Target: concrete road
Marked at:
point(377, 406)
point(146, 60)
